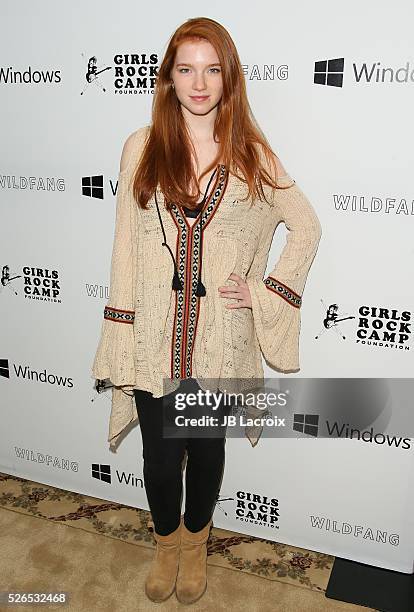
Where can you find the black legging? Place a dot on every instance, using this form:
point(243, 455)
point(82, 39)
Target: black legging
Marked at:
point(163, 459)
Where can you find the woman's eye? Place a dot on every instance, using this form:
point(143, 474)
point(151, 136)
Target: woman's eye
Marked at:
point(184, 70)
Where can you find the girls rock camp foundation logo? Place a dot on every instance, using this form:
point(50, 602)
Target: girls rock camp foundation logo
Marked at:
point(378, 326)
point(130, 73)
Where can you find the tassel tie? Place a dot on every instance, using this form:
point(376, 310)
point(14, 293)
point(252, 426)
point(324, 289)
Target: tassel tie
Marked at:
point(176, 283)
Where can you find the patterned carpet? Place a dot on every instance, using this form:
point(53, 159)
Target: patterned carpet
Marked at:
point(226, 549)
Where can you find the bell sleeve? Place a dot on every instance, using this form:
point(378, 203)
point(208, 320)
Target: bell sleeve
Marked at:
point(114, 358)
point(277, 299)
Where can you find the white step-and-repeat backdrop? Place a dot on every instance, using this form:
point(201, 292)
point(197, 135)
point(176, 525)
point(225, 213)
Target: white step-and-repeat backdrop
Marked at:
point(333, 90)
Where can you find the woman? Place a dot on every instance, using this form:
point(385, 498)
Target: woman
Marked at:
point(200, 318)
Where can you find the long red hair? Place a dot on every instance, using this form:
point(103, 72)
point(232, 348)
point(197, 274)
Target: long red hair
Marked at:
point(243, 148)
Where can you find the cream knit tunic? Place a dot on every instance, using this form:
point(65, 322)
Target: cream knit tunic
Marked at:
point(152, 336)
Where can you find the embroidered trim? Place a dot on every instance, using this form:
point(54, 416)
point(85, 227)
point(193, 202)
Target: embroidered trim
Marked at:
point(284, 291)
point(187, 304)
point(118, 315)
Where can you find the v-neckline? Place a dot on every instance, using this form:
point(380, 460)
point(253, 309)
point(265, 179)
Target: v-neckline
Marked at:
point(219, 168)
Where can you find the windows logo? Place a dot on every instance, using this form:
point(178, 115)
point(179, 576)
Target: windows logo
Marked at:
point(4, 368)
point(329, 72)
point(306, 423)
point(102, 471)
point(92, 186)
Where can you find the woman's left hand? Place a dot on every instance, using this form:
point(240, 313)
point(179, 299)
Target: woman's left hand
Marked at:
point(241, 293)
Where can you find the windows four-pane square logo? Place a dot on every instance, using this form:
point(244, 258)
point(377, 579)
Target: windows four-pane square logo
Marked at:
point(93, 186)
point(101, 471)
point(4, 368)
point(329, 72)
point(306, 423)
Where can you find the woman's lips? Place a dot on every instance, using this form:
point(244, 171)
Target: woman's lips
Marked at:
point(199, 98)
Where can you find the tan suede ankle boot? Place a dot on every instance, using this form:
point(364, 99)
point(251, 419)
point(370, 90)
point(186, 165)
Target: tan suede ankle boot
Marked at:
point(160, 582)
point(192, 572)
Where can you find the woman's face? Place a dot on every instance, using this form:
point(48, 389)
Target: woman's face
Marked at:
point(197, 77)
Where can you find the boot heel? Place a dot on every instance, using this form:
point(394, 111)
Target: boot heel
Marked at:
point(192, 572)
point(160, 582)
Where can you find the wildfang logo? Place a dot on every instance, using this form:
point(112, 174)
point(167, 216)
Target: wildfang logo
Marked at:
point(32, 183)
point(367, 533)
point(266, 72)
point(365, 204)
point(329, 72)
point(59, 463)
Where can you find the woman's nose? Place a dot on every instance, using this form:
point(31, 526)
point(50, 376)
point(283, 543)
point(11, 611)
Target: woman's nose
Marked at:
point(199, 82)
